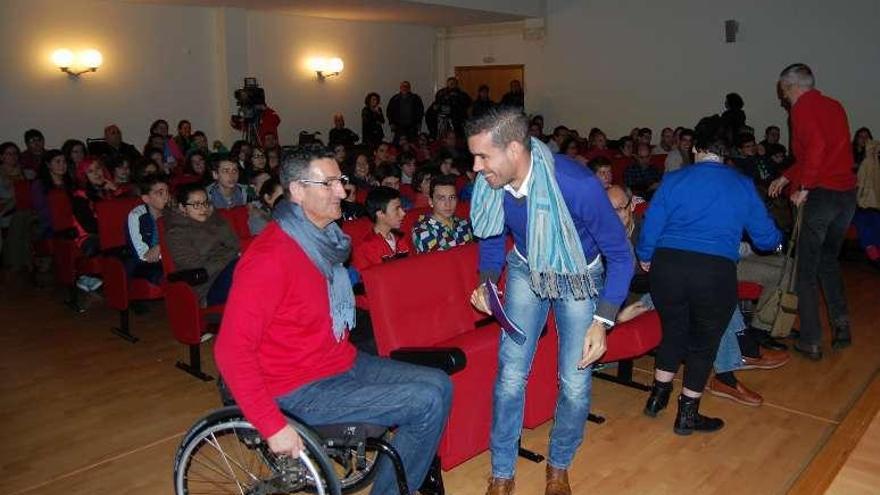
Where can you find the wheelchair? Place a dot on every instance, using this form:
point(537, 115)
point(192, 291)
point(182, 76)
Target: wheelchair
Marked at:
point(224, 453)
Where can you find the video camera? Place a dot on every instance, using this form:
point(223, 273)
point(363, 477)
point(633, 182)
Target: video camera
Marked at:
point(248, 98)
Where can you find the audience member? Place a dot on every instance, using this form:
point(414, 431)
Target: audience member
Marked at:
point(74, 151)
point(667, 142)
point(407, 167)
point(405, 113)
point(273, 160)
point(225, 192)
point(197, 168)
point(640, 176)
point(483, 103)
point(53, 174)
point(142, 231)
point(421, 184)
point(115, 146)
point(372, 120)
point(452, 106)
point(601, 166)
point(771, 137)
point(32, 156)
point(560, 134)
point(270, 193)
point(734, 118)
point(199, 238)
point(351, 209)
point(382, 243)
point(340, 134)
point(823, 185)
point(515, 97)
point(441, 229)
point(681, 155)
point(362, 171)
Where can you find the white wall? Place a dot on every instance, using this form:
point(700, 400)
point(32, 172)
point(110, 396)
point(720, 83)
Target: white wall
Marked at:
point(157, 63)
point(176, 62)
point(377, 57)
point(621, 63)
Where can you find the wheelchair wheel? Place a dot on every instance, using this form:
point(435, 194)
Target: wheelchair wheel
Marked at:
point(354, 472)
point(223, 453)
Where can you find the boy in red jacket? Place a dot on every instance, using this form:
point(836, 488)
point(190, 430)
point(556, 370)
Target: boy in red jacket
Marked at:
point(383, 243)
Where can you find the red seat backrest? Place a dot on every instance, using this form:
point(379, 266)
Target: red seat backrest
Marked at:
point(238, 219)
point(618, 167)
point(60, 210)
point(658, 162)
point(410, 219)
point(357, 229)
point(422, 300)
point(182, 180)
point(408, 192)
point(167, 262)
point(463, 209)
point(112, 217)
point(23, 200)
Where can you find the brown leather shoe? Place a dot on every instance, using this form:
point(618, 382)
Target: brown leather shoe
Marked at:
point(769, 360)
point(740, 393)
point(500, 486)
point(557, 481)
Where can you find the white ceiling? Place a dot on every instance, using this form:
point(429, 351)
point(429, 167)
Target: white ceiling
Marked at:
point(361, 10)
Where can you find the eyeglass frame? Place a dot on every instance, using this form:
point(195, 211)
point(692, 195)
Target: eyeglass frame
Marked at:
point(206, 205)
point(342, 180)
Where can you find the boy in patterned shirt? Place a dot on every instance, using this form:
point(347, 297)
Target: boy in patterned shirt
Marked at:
point(441, 229)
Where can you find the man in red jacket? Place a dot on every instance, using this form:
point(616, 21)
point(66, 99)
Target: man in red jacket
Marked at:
point(821, 182)
point(284, 343)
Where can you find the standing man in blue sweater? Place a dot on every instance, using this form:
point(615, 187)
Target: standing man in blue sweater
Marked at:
point(562, 225)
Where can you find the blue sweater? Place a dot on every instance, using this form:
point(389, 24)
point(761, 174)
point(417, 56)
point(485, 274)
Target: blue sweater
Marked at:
point(598, 227)
point(704, 208)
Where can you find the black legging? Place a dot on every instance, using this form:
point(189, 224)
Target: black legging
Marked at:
point(695, 295)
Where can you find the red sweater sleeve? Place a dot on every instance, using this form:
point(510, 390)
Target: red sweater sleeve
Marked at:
point(252, 301)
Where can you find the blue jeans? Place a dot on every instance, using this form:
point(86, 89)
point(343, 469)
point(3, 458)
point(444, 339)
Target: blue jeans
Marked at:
point(529, 312)
point(384, 392)
point(729, 356)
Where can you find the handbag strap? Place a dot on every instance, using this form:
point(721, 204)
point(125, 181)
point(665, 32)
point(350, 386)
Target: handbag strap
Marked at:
point(792, 243)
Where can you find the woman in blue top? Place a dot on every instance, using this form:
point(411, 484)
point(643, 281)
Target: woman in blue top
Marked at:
point(689, 245)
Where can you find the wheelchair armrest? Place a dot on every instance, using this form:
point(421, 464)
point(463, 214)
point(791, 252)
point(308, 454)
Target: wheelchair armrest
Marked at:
point(194, 276)
point(449, 359)
point(67, 234)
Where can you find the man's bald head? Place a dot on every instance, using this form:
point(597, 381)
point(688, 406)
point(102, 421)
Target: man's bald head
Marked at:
point(621, 200)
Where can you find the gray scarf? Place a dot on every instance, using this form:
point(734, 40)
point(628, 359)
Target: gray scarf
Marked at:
point(328, 248)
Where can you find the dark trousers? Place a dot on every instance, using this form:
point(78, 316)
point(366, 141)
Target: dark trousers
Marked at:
point(695, 295)
point(826, 217)
point(219, 290)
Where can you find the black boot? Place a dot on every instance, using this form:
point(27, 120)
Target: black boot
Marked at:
point(842, 337)
point(659, 398)
point(690, 420)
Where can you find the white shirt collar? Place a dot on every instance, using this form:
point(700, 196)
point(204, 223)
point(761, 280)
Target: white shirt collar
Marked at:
point(523, 190)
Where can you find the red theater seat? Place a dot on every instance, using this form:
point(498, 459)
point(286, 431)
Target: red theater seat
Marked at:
point(69, 262)
point(187, 318)
point(437, 315)
point(238, 219)
point(119, 289)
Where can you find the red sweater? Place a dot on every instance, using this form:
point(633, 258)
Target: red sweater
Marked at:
point(374, 250)
point(277, 332)
point(820, 144)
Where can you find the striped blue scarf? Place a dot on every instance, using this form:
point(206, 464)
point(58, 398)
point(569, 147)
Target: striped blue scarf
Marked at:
point(556, 257)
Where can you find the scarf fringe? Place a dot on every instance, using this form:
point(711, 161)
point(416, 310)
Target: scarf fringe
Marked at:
point(550, 285)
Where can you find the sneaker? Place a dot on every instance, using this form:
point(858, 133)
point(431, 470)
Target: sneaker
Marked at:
point(94, 283)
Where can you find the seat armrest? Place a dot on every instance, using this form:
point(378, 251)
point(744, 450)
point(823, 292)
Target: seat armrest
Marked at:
point(449, 359)
point(193, 276)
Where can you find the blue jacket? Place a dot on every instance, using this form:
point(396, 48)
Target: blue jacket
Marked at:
point(704, 208)
point(141, 231)
point(598, 227)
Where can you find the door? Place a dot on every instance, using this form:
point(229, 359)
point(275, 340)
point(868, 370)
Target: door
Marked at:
point(497, 77)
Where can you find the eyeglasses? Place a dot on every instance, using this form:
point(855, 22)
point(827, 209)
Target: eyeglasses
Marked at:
point(342, 180)
point(201, 205)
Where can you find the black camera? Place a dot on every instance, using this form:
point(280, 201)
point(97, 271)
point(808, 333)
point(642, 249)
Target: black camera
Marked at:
point(251, 94)
point(251, 100)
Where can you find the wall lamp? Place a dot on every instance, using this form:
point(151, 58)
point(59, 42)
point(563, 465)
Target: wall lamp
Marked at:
point(326, 67)
point(87, 61)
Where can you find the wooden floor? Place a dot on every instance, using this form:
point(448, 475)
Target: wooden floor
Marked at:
point(87, 413)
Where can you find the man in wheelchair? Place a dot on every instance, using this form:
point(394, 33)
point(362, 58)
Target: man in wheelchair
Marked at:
point(284, 343)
